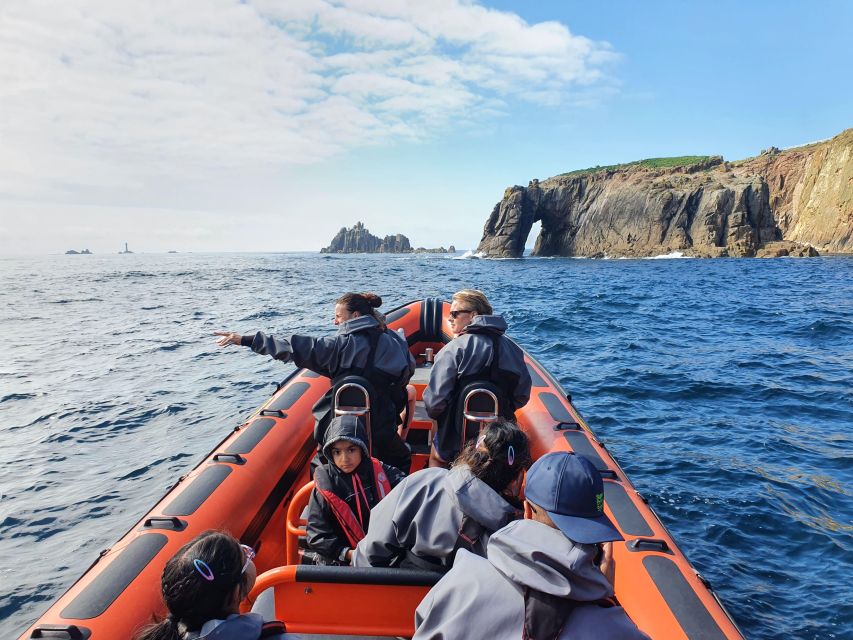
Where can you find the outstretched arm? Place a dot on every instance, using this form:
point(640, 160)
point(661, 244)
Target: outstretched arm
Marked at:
point(278, 348)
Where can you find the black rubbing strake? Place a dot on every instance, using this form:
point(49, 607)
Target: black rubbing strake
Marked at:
point(395, 315)
point(582, 446)
point(199, 490)
point(625, 512)
point(538, 381)
point(98, 595)
point(555, 407)
point(251, 436)
point(694, 618)
point(287, 399)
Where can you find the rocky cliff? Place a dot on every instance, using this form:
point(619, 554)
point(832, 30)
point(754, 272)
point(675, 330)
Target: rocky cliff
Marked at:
point(359, 240)
point(769, 205)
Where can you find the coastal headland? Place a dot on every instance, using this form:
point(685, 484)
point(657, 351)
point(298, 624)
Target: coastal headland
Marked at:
point(795, 202)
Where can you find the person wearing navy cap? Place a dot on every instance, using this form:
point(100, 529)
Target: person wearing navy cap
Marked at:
point(542, 577)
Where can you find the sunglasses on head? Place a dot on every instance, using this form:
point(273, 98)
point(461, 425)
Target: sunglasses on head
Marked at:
point(455, 314)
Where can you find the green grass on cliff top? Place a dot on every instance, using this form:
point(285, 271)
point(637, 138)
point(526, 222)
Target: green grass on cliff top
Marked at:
point(650, 163)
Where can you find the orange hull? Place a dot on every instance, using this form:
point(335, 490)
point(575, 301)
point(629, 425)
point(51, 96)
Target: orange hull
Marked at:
point(246, 485)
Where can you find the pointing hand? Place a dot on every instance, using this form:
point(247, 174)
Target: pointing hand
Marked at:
point(228, 337)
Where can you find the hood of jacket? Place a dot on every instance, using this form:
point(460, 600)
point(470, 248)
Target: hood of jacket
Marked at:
point(355, 325)
point(234, 627)
point(477, 499)
point(535, 555)
point(487, 324)
point(349, 428)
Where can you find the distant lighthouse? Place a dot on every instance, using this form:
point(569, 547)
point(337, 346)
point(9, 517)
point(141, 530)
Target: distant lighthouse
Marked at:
point(126, 250)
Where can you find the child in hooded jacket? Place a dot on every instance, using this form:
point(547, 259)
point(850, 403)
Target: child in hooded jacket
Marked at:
point(346, 489)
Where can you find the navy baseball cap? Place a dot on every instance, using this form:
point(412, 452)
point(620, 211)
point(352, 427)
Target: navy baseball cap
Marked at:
point(570, 489)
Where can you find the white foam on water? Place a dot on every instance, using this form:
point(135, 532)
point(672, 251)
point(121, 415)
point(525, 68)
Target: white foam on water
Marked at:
point(668, 256)
point(468, 255)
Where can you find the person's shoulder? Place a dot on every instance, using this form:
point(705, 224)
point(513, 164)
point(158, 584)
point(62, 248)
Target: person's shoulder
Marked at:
point(424, 479)
point(394, 475)
point(322, 477)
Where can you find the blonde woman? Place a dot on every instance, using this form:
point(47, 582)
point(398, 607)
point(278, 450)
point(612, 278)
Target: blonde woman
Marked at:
point(479, 351)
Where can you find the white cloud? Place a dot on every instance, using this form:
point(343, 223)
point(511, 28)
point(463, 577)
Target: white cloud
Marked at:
point(104, 94)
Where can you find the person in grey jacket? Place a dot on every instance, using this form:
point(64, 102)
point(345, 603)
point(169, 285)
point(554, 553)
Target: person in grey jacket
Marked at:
point(434, 512)
point(363, 346)
point(542, 577)
point(470, 357)
point(203, 585)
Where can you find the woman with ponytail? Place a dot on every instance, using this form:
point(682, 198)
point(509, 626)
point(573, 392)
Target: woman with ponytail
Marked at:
point(203, 585)
point(431, 514)
point(362, 346)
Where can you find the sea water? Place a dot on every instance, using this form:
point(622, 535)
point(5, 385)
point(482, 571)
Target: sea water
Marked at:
point(723, 387)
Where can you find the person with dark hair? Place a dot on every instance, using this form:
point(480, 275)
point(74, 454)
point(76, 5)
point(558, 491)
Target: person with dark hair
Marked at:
point(346, 489)
point(363, 346)
point(433, 513)
point(479, 352)
point(547, 576)
point(203, 585)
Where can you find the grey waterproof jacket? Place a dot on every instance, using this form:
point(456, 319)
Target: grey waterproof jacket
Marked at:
point(471, 353)
point(235, 627)
point(332, 356)
point(484, 597)
point(423, 515)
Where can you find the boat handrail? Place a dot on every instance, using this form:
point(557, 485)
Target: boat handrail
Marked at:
point(485, 412)
point(295, 524)
point(353, 383)
point(365, 601)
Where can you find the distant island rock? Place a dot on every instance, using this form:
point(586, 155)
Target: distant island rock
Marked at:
point(72, 252)
point(359, 240)
point(794, 202)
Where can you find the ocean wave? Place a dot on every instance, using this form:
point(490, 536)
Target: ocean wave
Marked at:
point(673, 255)
point(18, 396)
point(824, 329)
point(468, 255)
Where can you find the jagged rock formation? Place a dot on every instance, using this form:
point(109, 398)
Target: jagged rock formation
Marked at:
point(360, 240)
point(450, 249)
point(710, 208)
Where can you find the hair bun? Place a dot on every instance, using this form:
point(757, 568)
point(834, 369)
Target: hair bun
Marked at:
point(373, 300)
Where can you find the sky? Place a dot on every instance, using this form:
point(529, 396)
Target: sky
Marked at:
point(267, 125)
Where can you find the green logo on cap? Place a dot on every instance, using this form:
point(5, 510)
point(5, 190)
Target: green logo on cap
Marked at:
point(599, 501)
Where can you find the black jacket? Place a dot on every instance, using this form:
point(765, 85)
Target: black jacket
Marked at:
point(337, 355)
point(325, 536)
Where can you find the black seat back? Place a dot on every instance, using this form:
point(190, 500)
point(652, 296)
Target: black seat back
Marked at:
point(477, 406)
point(354, 396)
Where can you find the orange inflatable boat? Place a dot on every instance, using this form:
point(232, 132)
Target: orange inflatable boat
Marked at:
point(255, 484)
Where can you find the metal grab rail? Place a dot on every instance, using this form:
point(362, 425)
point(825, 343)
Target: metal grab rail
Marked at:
point(482, 417)
point(358, 410)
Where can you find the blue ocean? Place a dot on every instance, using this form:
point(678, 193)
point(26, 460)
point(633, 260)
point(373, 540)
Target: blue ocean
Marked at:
point(723, 387)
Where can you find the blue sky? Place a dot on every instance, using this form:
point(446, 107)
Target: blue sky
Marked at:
point(267, 126)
